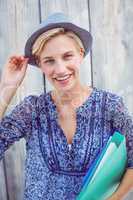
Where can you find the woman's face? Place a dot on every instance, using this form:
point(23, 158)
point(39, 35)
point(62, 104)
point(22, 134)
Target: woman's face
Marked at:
point(60, 60)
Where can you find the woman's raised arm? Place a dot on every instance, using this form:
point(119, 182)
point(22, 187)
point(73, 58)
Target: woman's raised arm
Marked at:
point(12, 76)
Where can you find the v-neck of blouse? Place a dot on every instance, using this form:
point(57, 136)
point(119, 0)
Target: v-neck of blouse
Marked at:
point(79, 111)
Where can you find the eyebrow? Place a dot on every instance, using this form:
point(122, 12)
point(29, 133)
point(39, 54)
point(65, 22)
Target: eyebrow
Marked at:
point(47, 57)
point(68, 52)
point(50, 57)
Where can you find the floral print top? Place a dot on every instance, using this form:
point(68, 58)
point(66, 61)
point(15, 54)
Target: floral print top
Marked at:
point(53, 170)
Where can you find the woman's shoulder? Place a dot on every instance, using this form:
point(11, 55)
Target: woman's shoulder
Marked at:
point(109, 95)
point(111, 101)
point(35, 101)
point(36, 98)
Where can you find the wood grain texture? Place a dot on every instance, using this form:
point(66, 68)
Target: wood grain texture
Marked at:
point(111, 26)
point(18, 19)
point(78, 12)
point(3, 191)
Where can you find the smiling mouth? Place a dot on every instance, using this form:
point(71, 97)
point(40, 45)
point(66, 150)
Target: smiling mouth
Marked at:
point(63, 78)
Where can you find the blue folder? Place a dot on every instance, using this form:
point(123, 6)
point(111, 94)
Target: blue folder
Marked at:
point(99, 185)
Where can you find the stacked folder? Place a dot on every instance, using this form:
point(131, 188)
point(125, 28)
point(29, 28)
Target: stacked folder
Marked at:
point(105, 174)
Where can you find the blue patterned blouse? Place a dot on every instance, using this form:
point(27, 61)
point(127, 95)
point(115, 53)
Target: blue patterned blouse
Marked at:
point(53, 170)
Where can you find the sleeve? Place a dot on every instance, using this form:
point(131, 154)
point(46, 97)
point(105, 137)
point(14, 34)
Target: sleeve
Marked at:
point(17, 124)
point(123, 123)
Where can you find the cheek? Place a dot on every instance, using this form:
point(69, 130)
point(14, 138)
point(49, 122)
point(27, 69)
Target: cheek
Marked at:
point(76, 64)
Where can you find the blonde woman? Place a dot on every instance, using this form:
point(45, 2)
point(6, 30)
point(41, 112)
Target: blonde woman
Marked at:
point(66, 128)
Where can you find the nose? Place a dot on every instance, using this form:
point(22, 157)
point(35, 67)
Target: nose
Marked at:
point(60, 68)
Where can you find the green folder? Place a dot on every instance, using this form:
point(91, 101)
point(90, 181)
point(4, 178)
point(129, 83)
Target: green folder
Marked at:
point(108, 171)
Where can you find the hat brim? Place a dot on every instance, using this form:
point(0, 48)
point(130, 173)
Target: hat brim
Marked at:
point(83, 34)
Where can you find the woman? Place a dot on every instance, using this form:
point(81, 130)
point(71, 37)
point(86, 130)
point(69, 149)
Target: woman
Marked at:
point(66, 128)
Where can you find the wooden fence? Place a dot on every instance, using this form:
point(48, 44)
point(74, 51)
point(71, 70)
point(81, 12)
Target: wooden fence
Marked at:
point(109, 66)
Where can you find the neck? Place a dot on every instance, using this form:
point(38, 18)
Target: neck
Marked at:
point(71, 98)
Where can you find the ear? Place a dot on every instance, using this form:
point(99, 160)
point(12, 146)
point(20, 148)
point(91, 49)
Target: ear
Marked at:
point(81, 55)
point(82, 52)
point(38, 62)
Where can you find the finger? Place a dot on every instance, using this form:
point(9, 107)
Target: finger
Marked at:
point(16, 61)
point(12, 58)
point(24, 64)
point(16, 58)
point(13, 61)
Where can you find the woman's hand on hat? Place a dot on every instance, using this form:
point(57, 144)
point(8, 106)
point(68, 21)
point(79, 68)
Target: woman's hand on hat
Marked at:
point(14, 71)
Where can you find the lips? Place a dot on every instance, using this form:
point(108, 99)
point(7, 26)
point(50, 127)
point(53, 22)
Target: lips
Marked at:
point(64, 79)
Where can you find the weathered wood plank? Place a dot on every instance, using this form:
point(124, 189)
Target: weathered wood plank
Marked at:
point(72, 9)
point(18, 18)
point(111, 23)
point(3, 192)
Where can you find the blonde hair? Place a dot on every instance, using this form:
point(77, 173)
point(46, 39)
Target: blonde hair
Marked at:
point(44, 37)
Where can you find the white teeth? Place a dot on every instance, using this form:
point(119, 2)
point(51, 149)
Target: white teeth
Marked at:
point(63, 78)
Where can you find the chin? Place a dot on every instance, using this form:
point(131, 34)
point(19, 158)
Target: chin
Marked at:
point(67, 88)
